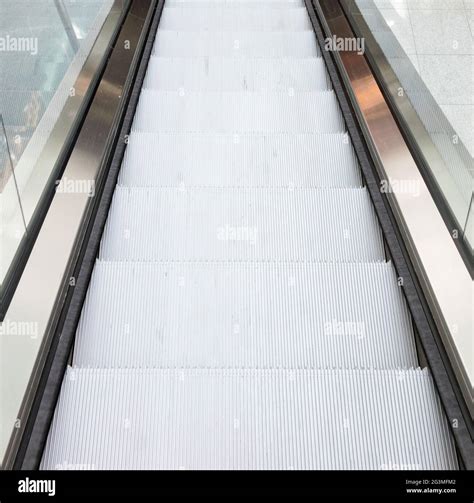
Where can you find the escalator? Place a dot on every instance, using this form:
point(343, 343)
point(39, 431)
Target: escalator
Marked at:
point(243, 312)
point(238, 300)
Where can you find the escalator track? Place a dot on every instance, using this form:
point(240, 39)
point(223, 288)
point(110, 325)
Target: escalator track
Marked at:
point(242, 312)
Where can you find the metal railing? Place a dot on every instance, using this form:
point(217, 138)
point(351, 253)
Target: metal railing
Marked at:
point(440, 150)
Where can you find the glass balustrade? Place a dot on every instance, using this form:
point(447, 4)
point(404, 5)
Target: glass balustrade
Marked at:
point(423, 53)
point(49, 53)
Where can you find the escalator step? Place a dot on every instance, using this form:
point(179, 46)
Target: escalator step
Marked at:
point(236, 44)
point(248, 419)
point(327, 225)
point(241, 74)
point(208, 160)
point(231, 112)
point(241, 315)
point(283, 4)
point(236, 17)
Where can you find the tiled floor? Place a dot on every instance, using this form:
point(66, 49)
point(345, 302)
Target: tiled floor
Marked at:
point(438, 37)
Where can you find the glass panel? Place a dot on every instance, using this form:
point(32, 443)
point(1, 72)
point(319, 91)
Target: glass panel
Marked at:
point(427, 48)
point(44, 46)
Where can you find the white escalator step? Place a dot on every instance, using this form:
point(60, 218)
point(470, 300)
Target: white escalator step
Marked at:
point(231, 74)
point(231, 112)
point(325, 225)
point(283, 4)
point(268, 5)
point(200, 160)
point(244, 315)
point(248, 419)
point(236, 17)
point(236, 44)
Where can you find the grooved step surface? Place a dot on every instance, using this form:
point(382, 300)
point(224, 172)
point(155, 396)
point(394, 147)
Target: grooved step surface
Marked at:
point(209, 160)
point(244, 419)
point(241, 74)
point(237, 17)
point(238, 112)
point(283, 4)
point(332, 225)
point(236, 44)
point(240, 315)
